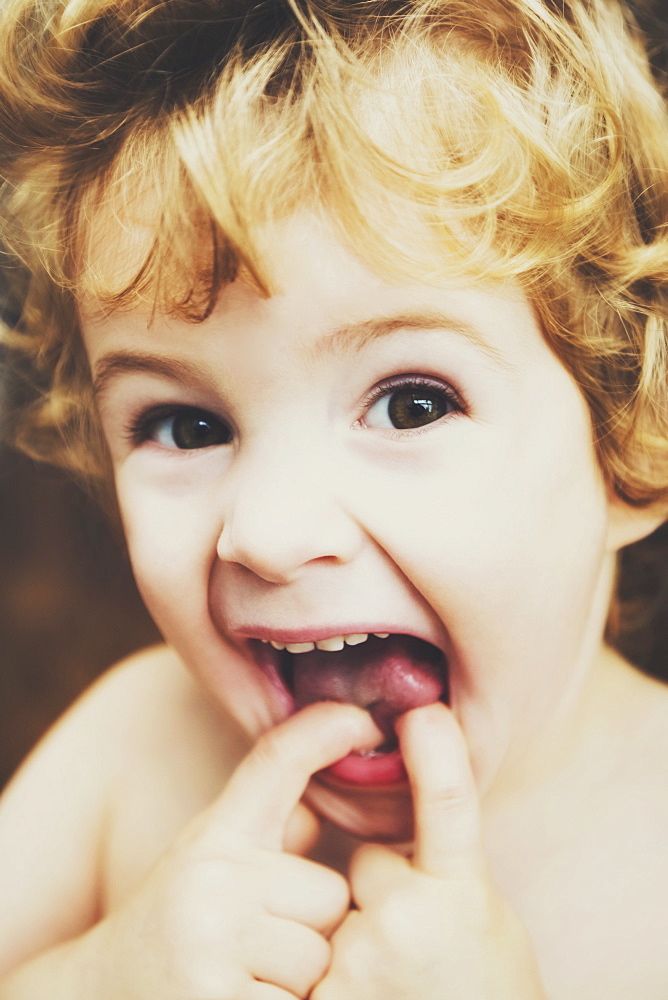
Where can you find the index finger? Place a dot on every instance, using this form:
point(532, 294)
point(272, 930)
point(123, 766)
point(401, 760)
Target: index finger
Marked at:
point(265, 788)
point(445, 798)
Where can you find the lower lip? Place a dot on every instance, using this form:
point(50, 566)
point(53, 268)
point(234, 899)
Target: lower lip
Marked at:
point(355, 769)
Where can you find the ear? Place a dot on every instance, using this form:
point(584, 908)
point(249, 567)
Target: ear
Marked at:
point(627, 524)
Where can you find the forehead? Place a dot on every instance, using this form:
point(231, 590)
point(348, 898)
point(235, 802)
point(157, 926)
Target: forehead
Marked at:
point(326, 302)
point(144, 240)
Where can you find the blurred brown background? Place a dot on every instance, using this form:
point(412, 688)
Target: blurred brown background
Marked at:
point(68, 604)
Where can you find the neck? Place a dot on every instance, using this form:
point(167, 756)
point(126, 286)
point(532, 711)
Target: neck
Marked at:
point(583, 706)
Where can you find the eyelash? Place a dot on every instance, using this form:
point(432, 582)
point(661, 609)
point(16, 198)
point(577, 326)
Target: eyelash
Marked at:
point(141, 427)
point(410, 380)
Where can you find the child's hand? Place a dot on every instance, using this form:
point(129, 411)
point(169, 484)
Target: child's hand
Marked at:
point(433, 928)
point(226, 912)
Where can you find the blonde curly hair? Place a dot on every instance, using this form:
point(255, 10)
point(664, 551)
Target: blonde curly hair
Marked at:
point(513, 139)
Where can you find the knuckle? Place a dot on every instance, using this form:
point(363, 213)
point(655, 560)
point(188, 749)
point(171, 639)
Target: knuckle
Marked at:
point(449, 798)
point(272, 750)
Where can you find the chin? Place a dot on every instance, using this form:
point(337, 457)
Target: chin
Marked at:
point(378, 814)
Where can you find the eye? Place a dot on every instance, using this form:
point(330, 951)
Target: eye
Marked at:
point(414, 402)
point(183, 427)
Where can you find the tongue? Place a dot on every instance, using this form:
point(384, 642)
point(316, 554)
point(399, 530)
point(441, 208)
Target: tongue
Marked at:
point(385, 676)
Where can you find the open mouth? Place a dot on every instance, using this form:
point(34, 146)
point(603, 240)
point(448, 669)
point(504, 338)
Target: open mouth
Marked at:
point(386, 674)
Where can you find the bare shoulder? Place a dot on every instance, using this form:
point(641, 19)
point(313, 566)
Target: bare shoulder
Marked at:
point(158, 740)
point(147, 699)
point(81, 751)
point(165, 715)
point(150, 701)
point(51, 818)
point(114, 745)
point(178, 751)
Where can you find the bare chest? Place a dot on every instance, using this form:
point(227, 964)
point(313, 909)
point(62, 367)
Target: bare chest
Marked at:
point(593, 893)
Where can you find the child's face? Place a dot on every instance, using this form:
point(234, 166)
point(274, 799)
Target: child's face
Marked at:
point(316, 510)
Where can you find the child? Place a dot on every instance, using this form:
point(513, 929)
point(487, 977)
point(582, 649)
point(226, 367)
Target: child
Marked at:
point(367, 303)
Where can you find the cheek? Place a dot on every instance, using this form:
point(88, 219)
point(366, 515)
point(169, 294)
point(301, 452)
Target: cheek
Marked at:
point(493, 502)
point(172, 546)
point(169, 543)
point(503, 534)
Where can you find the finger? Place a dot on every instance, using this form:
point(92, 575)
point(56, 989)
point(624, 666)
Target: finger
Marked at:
point(288, 955)
point(266, 991)
point(301, 890)
point(445, 799)
point(264, 790)
point(374, 872)
point(301, 830)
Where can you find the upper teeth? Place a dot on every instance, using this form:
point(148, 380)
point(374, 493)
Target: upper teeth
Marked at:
point(330, 645)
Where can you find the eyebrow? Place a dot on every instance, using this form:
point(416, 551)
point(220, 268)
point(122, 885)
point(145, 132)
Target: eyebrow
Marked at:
point(357, 335)
point(344, 339)
point(116, 363)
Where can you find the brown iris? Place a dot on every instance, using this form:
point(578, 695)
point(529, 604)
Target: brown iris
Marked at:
point(415, 406)
point(198, 429)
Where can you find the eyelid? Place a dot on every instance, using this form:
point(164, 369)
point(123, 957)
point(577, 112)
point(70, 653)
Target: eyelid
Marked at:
point(406, 379)
point(138, 428)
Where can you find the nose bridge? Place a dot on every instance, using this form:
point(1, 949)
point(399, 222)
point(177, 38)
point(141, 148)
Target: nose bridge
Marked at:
point(280, 511)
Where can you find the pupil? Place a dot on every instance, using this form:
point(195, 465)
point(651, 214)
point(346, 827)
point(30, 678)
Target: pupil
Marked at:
point(195, 431)
point(416, 407)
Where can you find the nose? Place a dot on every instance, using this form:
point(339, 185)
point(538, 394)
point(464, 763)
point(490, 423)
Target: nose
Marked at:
point(280, 516)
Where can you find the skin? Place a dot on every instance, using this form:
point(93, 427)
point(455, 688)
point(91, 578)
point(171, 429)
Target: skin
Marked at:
point(307, 518)
point(285, 929)
point(311, 520)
